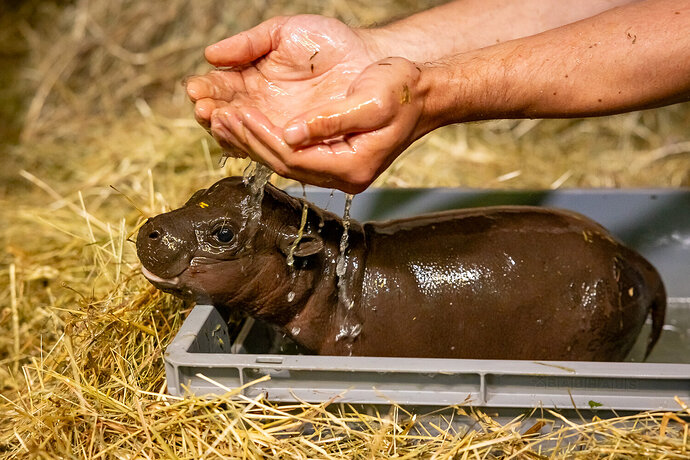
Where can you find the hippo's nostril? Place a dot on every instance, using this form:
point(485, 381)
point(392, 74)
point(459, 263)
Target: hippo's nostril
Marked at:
point(154, 234)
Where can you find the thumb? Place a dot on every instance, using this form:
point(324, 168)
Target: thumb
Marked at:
point(364, 110)
point(246, 46)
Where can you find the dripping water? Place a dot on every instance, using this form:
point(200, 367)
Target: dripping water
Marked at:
point(300, 233)
point(229, 152)
point(255, 176)
point(291, 252)
point(328, 203)
point(223, 159)
point(330, 198)
point(340, 266)
point(349, 328)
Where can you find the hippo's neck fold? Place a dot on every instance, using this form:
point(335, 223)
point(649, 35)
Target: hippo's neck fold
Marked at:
point(329, 317)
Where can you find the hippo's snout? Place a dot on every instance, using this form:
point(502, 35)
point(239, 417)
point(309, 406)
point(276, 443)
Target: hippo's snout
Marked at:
point(164, 249)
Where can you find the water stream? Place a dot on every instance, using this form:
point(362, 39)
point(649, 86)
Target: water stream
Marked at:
point(300, 233)
point(256, 176)
point(223, 159)
point(349, 326)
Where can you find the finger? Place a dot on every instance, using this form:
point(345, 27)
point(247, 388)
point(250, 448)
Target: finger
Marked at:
point(225, 137)
point(233, 130)
point(203, 109)
point(221, 85)
point(246, 46)
point(231, 150)
point(259, 124)
point(257, 150)
point(362, 111)
point(326, 165)
point(262, 129)
point(352, 163)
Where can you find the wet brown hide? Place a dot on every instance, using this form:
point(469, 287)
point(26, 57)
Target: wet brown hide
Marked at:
point(511, 282)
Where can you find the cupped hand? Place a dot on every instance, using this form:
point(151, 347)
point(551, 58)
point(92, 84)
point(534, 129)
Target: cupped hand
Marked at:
point(344, 144)
point(311, 98)
point(281, 67)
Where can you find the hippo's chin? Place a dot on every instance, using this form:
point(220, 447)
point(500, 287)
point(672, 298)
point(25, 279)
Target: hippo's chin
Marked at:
point(161, 283)
point(177, 286)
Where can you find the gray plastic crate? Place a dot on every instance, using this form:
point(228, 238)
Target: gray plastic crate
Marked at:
point(655, 222)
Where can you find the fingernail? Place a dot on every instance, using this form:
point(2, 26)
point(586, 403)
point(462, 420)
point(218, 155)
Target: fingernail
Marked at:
point(296, 133)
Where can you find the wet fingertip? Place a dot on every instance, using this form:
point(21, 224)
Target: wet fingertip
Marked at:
point(192, 92)
point(296, 133)
point(226, 116)
point(201, 115)
point(196, 88)
point(203, 110)
point(211, 53)
point(186, 80)
point(219, 120)
point(245, 116)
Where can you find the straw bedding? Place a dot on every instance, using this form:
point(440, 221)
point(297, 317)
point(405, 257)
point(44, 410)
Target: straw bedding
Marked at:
point(97, 135)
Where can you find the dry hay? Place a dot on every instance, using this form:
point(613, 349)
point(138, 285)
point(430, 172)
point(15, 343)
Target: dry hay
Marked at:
point(82, 334)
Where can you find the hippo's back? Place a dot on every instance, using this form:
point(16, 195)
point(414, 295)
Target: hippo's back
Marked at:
point(504, 283)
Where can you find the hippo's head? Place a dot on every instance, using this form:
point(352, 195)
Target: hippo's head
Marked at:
point(212, 250)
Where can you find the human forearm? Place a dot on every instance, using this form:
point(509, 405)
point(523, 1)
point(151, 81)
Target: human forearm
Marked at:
point(345, 111)
point(633, 57)
point(465, 25)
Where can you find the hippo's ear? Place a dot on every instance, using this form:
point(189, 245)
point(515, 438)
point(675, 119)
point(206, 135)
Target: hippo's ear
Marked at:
point(308, 245)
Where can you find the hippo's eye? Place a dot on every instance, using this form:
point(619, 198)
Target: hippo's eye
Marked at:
point(223, 234)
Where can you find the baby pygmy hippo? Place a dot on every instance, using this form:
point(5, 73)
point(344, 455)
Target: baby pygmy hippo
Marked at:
point(509, 282)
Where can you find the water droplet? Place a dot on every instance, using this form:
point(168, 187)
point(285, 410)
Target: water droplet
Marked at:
point(223, 159)
point(300, 233)
point(290, 296)
point(295, 331)
point(342, 333)
point(340, 267)
point(348, 331)
point(330, 197)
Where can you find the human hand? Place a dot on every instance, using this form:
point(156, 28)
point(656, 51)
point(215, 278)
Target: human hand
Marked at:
point(281, 67)
point(343, 144)
point(346, 118)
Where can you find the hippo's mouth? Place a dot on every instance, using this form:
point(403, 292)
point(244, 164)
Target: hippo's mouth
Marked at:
point(158, 281)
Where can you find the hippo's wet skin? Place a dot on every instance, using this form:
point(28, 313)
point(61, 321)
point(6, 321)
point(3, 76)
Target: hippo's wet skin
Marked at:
point(501, 282)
